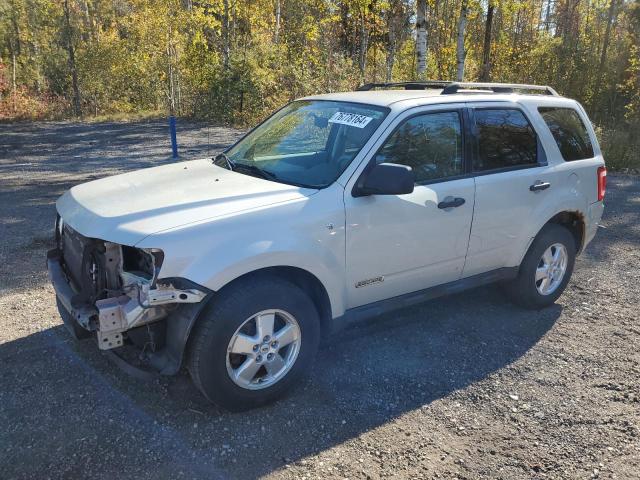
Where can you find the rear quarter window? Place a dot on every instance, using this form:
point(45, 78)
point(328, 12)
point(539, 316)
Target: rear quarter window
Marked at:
point(569, 132)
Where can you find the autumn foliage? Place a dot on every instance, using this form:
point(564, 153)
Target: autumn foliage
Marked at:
point(233, 61)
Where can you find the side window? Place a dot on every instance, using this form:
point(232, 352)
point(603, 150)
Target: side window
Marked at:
point(505, 139)
point(431, 144)
point(569, 132)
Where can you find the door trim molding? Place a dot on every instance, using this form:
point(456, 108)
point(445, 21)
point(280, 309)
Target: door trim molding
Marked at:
point(356, 314)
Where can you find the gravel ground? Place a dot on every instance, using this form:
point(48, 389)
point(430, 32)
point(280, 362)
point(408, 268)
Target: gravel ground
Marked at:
point(467, 386)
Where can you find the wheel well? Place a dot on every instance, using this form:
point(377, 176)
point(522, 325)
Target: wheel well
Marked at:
point(308, 282)
point(574, 222)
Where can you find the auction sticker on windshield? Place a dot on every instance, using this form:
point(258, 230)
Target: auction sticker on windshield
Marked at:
point(351, 119)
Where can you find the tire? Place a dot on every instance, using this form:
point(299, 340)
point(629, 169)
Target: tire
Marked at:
point(233, 316)
point(525, 290)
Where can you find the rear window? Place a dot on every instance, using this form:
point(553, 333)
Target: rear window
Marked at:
point(569, 132)
point(505, 140)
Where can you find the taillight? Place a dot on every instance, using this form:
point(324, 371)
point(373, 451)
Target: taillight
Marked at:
point(602, 182)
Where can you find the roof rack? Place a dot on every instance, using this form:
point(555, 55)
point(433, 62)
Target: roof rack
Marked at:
point(455, 87)
point(417, 85)
point(449, 88)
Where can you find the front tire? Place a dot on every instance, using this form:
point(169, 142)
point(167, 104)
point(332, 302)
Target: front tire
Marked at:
point(545, 270)
point(253, 343)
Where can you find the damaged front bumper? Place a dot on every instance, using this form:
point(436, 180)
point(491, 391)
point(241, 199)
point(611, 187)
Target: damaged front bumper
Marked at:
point(174, 301)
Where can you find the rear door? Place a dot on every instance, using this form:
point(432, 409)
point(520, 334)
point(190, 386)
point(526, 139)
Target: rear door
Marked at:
point(512, 180)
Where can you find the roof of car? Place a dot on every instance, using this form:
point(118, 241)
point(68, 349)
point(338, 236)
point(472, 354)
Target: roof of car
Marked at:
point(383, 98)
point(386, 98)
point(430, 92)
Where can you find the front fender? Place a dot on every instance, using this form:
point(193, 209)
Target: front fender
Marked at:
point(309, 235)
point(321, 264)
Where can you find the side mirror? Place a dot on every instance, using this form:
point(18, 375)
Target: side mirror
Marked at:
point(385, 179)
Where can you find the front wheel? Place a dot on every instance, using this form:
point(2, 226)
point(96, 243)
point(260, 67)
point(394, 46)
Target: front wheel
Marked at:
point(546, 268)
point(253, 343)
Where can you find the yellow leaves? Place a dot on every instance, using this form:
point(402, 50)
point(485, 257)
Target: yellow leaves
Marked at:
point(125, 48)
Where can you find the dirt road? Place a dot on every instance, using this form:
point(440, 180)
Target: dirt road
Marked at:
point(462, 387)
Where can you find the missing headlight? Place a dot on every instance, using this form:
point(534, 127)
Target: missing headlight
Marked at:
point(144, 263)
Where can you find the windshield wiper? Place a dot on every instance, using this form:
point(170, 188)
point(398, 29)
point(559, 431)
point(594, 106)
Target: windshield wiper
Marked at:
point(267, 175)
point(251, 169)
point(228, 163)
point(254, 170)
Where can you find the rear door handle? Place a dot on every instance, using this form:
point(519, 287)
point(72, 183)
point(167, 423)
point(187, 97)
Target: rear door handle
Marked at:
point(539, 186)
point(451, 202)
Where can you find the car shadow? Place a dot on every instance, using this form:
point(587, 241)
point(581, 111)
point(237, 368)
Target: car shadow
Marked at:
point(72, 398)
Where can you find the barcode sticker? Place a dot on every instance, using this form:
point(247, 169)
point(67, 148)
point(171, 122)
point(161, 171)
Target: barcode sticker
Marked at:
point(351, 119)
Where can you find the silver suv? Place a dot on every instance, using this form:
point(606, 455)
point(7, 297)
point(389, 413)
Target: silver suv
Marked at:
point(337, 207)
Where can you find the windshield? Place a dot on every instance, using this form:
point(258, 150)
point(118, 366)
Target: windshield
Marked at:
point(307, 143)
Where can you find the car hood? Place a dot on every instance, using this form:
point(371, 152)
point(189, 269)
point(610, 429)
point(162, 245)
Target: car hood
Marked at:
point(126, 208)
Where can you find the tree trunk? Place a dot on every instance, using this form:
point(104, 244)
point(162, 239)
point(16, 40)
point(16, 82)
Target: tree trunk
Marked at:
point(460, 51)
point(391, 55)
point(547, 17)
point(77, 108)
point(276, 30)
point(397, 20)
point(421, 38)
point(171, 87)
point(597, 105)
point(485, 75)
point(13, 79)
point(364, 45)
point(226, 37)
point(607, 36)
point(15, 51)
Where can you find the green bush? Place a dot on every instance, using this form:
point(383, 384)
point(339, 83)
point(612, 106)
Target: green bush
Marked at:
point(620, 146)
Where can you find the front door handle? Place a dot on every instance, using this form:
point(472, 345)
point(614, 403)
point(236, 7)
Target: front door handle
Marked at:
point(451, 202)
point(539, 186)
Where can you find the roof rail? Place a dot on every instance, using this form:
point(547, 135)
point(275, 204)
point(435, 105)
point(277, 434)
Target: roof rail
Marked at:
point(417, 85)
point(449, 88)
point(455, 87)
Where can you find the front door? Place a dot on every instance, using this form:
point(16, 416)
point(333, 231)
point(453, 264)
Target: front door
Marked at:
point(398, 244)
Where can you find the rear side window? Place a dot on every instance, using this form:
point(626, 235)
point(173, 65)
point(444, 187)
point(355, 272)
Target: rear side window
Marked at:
point(569, 132)
point(505, 140)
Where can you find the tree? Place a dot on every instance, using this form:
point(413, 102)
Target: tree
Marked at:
point(421, 38)
point(460, 51)
point(68, 37)
point(396, 24)
point(364, 41)
point(233, 61)
point(276, 27)
point(485, 74)
point(226, 34)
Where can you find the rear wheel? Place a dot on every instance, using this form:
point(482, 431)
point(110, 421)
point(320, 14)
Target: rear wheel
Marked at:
point(253, 343)
point(546, 268)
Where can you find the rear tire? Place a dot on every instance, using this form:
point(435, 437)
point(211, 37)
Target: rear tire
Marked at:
point(545, 270)
point(235, 360)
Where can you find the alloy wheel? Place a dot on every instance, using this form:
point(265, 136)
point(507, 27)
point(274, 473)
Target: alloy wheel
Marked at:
point(551, 269)
point(263, 349)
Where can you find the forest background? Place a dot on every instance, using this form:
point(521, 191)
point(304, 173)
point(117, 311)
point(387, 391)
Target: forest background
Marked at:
point(232, 62)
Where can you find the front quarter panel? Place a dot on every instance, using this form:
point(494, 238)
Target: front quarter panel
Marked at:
point(306, 233)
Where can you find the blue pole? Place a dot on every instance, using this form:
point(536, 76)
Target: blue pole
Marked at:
point(172, 133)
